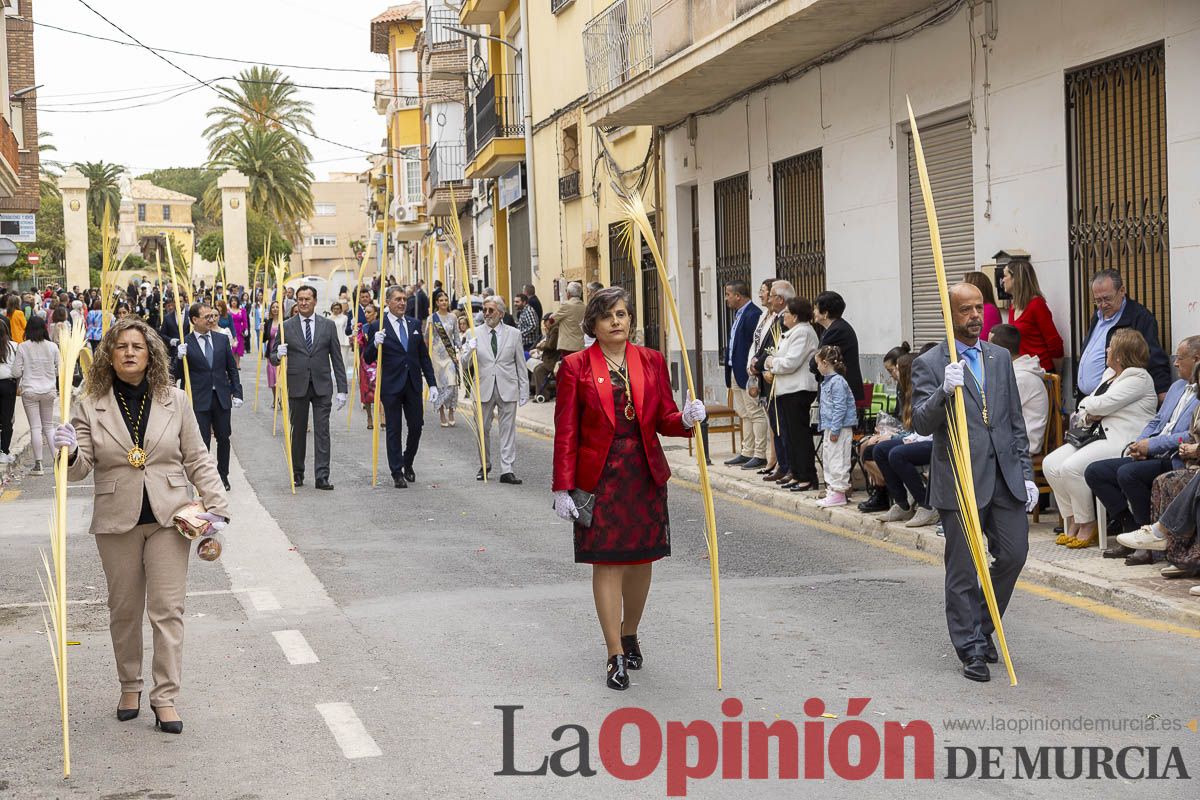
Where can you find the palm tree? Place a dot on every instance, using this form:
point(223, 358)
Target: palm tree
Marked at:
point(104, 191)
point(47, 168)
point(263, 98)
point(280, 181)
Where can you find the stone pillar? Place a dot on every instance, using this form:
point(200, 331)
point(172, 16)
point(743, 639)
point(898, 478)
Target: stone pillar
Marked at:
point(74, 186)
point(233, 186)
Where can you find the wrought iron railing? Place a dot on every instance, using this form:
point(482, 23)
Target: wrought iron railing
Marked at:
point(568, 186)
point(558, 5)
point(617, 45)
point(496, 110)
point(438, 19)
point(10, 149)
point(446, 164)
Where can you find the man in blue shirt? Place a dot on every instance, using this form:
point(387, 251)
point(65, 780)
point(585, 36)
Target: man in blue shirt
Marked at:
point(737, 358)
point(1114, 309)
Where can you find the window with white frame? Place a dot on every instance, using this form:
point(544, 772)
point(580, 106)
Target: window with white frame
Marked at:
point(325, 209)
point(322, 240)
point(410, 162)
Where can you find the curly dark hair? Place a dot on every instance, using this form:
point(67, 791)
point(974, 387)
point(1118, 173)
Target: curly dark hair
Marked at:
point(600, 303)
point(158, 374)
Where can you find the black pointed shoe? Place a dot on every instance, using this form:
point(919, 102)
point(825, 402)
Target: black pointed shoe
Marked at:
point(175, 726)
point(633, 651)
point(618, 678)
point(126, 714)
point(976, 669)
point(990, 654)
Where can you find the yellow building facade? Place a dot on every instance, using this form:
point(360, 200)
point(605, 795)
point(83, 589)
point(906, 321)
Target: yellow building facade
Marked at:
point(163, 211)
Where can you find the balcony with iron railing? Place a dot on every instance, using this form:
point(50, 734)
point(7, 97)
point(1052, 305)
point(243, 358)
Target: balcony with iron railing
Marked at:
point(654, 62)
point(447, 166)
point(495, 114)
point(559, 5)
point(437, 19)
point(568, 186)
point(10, 154)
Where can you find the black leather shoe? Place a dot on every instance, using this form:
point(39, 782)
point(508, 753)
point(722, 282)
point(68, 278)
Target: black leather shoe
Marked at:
point(789, 485)
point(399, 482)
point(633, 651)
point(766, 470)
point(1118, 550)
point(1139, 558)
point(167, 727)
point(409, 475)
point(325, 485)
point(811, 486)
point(736, 461)
point(878, 501)
point(618, 678)
point(774, 475)
point(126, 714)
point(974, 669)
point(508, 477)
point(298, 481)
point(755, 463)
point(990, 654)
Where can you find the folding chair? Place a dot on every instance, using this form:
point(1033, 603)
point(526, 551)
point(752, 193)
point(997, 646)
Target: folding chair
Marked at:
point(1053, 438)
point(717, 411)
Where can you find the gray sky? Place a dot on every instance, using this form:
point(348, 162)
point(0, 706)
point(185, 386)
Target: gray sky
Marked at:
point(78, 70)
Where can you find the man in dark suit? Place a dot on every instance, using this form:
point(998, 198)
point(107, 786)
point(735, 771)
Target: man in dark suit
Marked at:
point(314, 352)
point(827, 312)
point(1000, 466)
point(737, 361)
point(405, 360)
point(356, 320)
point(169, 330)
point(216, 387)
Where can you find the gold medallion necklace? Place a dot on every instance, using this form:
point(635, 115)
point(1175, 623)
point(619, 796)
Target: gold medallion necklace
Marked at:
point(136, 455)
point(619, 369)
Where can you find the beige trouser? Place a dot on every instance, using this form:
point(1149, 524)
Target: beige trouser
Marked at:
point(1064, 472)
point(146, 570)
point(755, 429)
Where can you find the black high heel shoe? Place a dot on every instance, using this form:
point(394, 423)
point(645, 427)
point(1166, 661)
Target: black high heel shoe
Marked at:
point(175, 726)
point(812, 486)
point(633, 651)
point(618, 678)
point(126, 714)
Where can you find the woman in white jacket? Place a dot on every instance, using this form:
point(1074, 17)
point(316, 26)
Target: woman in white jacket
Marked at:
point(794, 388)
point(1121, 406)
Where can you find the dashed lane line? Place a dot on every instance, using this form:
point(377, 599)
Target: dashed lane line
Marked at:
point(348, 731)
point(295, 647)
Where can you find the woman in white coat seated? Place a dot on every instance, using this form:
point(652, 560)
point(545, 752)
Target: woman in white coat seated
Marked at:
point(1120, 407)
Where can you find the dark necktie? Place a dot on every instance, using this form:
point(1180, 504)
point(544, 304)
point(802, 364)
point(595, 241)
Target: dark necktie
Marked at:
point(493, 342)
point(400, 326)
point(207, 349)
point(308, 333)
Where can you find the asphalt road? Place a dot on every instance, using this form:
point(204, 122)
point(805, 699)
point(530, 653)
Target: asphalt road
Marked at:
point(428, 607)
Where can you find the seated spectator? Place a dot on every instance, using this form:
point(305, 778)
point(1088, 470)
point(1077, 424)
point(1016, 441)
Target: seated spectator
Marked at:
point(991, 314)
point(1116, 311)
point(795, 389)
point(1124, 485)
point(900, 458)
point(544, 359)
point(1175, 530)
point(1120, 406)
point(1031, 316)
point(878, 499)
point(1035, 400)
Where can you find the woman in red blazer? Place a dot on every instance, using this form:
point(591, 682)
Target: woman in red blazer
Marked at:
point(613, 400)
point(1031, 316)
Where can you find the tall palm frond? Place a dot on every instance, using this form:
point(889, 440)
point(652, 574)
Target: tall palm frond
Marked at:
point(104, 192)
point(280, 180)
point(48, 169)
point(263, 98)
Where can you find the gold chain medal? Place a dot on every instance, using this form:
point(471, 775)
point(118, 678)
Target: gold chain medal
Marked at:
point(136, 457)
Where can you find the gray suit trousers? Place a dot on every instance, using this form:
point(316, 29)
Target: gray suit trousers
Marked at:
point(507, 412)
point(1006, 529)
point(322, 404)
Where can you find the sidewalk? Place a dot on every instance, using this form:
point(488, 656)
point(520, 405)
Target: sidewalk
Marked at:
point(1089, 579)
point(20, 443)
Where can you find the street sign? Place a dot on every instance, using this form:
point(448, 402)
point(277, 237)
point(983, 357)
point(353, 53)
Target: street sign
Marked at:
point(19, 227)
point(33, 258)
point(8, 252)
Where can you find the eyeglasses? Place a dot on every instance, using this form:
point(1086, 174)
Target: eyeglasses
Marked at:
point(491, 311)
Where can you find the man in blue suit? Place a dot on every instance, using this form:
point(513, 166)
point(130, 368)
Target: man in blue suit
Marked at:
point(405, 360)
point(216, 387)
point(737, 360)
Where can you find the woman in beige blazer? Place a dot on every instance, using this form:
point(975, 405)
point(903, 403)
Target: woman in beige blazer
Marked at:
point(137, 434)
point(1121, 405)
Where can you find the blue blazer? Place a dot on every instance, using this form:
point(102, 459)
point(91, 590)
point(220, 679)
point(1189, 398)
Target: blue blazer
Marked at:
point(220, 380)
point(740, 342)
point(1165, 446)
point(402, 369)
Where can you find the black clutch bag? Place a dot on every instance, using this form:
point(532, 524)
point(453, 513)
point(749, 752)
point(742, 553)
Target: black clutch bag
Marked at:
point(585, 503)
point(1084, 435)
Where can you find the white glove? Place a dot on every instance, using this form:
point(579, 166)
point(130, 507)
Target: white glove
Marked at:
point(524, 399)
point(181, 350)
point(434, 394)
point(770, 362)
point(564, 506)
point(237, 402)
point(174, 342)
point(218, 523)
point(693, 412)
point(954, 376)
point(471, 345)
point(281, 351)
point(64, 436)
point(340, 399)
point(380, 336)
point(1031, 495)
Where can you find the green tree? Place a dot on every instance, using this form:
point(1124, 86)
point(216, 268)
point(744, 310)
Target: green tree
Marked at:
point(280, 180)
point(104, 190)
point(263, 98)
point(51, 243)
point(48, 168)
point(194, 181)
point(258, 228)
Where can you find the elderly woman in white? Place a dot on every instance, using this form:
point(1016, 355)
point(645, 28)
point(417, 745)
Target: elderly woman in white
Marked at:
point(1120, 407)
point(794, 389)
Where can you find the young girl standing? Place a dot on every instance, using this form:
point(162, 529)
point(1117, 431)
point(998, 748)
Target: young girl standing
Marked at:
point(838, 418)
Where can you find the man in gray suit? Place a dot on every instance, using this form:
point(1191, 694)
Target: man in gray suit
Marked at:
point(313, 351)
point(503, 383)
point(1004, 487)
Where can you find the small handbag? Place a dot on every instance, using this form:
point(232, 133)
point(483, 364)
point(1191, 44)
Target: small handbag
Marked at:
point(1083, 435)
point(585, 503)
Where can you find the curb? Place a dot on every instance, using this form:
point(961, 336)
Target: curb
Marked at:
point(1126, 598)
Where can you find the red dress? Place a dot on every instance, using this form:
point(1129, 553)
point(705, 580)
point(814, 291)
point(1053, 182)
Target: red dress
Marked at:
point(1039, 337)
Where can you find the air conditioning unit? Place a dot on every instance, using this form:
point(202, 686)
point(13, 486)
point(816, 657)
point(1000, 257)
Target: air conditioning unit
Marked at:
point(403, 212)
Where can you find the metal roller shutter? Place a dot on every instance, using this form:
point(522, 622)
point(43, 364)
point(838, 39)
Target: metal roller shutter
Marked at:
point(948, 157)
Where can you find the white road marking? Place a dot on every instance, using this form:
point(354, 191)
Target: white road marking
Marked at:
point(348, 730)
point(263, 600)
point(295, 647)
